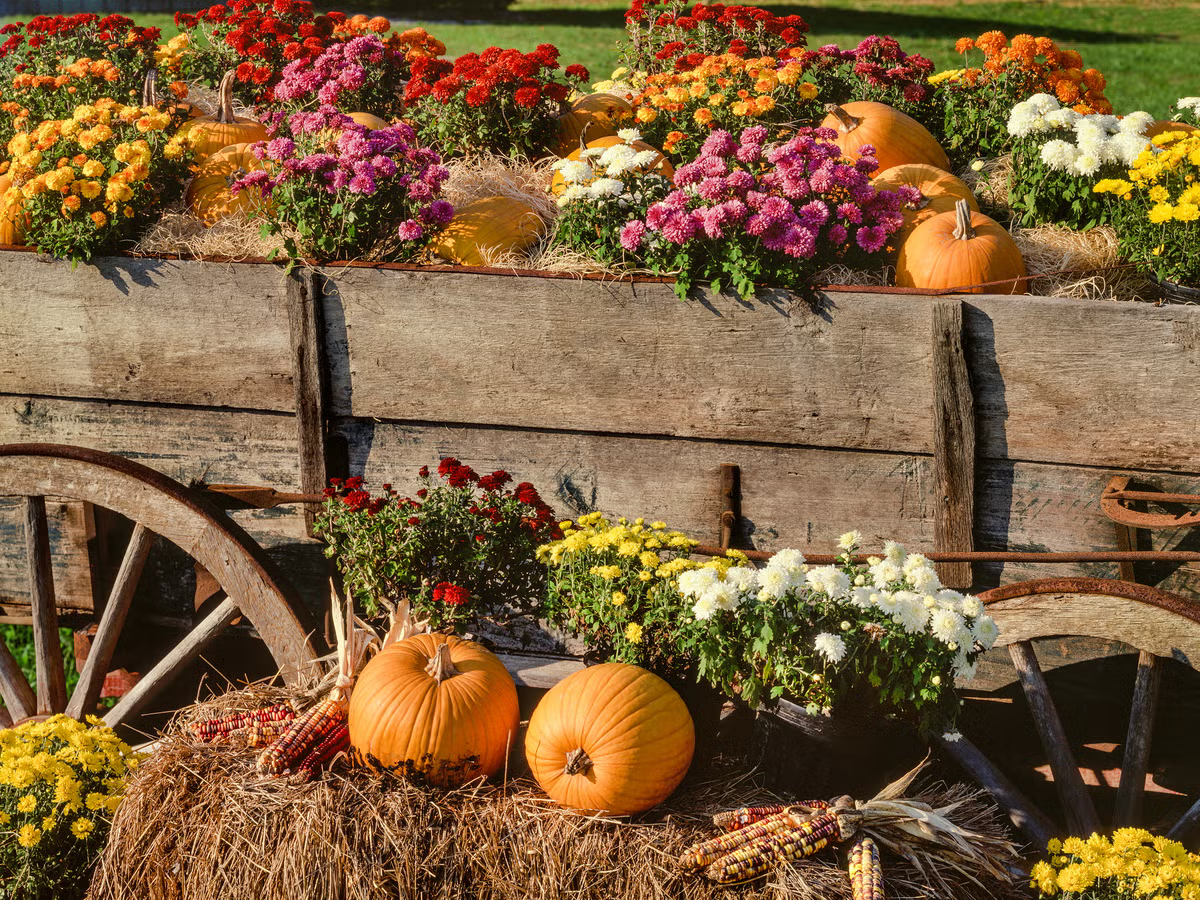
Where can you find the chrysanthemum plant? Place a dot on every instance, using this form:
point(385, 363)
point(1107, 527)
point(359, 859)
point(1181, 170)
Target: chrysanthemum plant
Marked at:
point(96, 178)
point(616, 585)
point(1059, 155)
point(1156, 205)
point(463, 549)
point(61, 780)
point(1132, 864)
point(819, 635)
point(747, 212)
point(343, 191)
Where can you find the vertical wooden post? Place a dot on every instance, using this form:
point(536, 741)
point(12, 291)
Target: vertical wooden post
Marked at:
point(51, 679)
point(953, 444)
point(309, 375)
point(730, 505)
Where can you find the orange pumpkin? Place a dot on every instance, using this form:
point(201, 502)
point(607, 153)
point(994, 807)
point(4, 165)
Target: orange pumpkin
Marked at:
point(661, 165)
point(599, 114)
point(209, 196)
point(368, 120)
point(434, 706)
point(611, 738)
point(226, 129)
point(958, 249)
point(940, 189)
point(897, 138)
point(1165, 125)
point(487, 228)
point(12, 222)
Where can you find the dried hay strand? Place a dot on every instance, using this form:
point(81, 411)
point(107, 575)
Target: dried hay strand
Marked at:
point(197, 822)
point(233, 238)
point(989, 183)
point(1080, 264)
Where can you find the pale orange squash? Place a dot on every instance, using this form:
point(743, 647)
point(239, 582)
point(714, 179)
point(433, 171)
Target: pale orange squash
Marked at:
point(226, 129)
point(959, 249)
point(600, 114)
point(368, 120)
point(487, 228)
point(611, 738)
point(661, 165)
point(940, 189)
point(896, 137)
point(434, 706)
point(209, 196)
point(12, 221)
point(1165, 125)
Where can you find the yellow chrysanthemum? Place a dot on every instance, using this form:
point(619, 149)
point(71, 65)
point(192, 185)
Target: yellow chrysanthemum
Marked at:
point(618, 598)
point(28, 836)
point(27, 804)
point(1187, 212)
point(82, 827)
point(633, 633)
point(1161, 212)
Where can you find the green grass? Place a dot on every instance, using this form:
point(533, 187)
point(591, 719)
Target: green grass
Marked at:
point(1147, 51)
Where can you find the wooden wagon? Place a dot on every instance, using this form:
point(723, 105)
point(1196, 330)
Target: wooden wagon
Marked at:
point(957, 425)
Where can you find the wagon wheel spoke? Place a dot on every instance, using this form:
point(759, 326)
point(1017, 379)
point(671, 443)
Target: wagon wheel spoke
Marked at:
point(14, 687)
point(91, 679)
point(51, 678)
point(1186, 823)
point(1136, 759)
point(1080, 811)
point(184, 653)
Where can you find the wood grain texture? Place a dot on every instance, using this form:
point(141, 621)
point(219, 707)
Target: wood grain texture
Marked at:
point(309, 376)
point(1080, 811)
point(1136, 758)
point(67, 523)
point(51, 676)
point(156, 331)
point(953, 444)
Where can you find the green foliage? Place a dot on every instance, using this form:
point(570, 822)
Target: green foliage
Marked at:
point(19, 639)
point(1039, 195)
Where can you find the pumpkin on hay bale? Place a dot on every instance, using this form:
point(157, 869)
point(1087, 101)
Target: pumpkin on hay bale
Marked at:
point(196, 822)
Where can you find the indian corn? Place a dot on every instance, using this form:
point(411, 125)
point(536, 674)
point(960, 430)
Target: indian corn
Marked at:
point(700, 855)
point(337, 741)
point(866, 874)
point(223, 726)
point(732, 820)
point(304, 735)
point(765, 852)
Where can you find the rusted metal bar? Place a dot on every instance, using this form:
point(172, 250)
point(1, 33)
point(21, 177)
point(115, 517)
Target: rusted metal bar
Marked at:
point(1005, 556)
point(1116, 494)
point(1158, 496)
point(729, 503)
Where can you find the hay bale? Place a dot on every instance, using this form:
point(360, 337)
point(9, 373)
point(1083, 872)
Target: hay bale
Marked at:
point(197, 822)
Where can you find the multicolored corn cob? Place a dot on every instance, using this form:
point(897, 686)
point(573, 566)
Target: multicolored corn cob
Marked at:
point(866, 874)
point(304, 735)
point(732, 820)
point(265, 735)
point(316, 760)
point(223, 726)
point(700, 855)
point(762, 854)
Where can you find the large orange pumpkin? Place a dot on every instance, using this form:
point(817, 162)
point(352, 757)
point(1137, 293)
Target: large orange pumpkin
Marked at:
point(940, 189)
point(896, 137)
point(434, 706)
point(209, 196)
point(12, 221)
point(661, 164)
point(487, 228)
point(961, 248)
point(611, 738)
point(227, 128)
point(601, 114)
point(1164, 125)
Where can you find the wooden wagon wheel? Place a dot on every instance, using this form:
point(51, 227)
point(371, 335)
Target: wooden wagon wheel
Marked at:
point(1157, 624)
point(158, 506)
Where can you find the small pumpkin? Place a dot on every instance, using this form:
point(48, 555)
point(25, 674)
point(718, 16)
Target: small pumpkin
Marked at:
point(941, 192)
point(487, 228)
point(611, 738)
point(1165, 125)
point(661, 164)
point(958, 249)
point(600, 113)
point(435, 706)
point(896, 137)
point(211, 134)
point(209, 196)
point(12, 221)
point(369, 120)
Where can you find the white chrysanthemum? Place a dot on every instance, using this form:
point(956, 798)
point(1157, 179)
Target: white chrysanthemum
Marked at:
point(1061, 118)
point(1111, 124)
point(605, 187)
point(1089, 132)
point(617, 159)
point(592, 152)
point(645, 158)
point(894, 552)
point(1127, 145)
point(964, 669)
point(830, 646)
point(572, 193)
point(830, 580)
point(1136, 122)
point(773, 583)
point(1023, 121)
point(1059, 155)
point(946, 625)
point(789, 560)
point(985, 631)
point(1086, 164)
point(1192, 103)
point(850, 540)
point(971, 606)
point(742, 578)
point(705, 608)
point(885, 573)
point(862, 597)
point(695, 582)
point(911, 616)
point(575, 171)
point(914, 561)
point(952, 736)
point(887, 601)
point(723, 596)
point(924, 578)
point(629, 135)
point(1043, 103)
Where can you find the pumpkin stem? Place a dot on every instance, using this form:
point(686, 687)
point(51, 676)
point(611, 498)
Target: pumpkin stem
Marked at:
point(578, 762)
point(149, 88)
point(225, 114)
point(849, 122)
point(440, 665)
point(962, 221)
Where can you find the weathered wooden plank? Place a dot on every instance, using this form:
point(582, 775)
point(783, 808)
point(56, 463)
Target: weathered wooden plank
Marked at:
point(68, 527)
point(1080, 811)
point(311, 383)
point(51, 677)
point(1135, 761)
point(157, 331)
point(953, 444)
